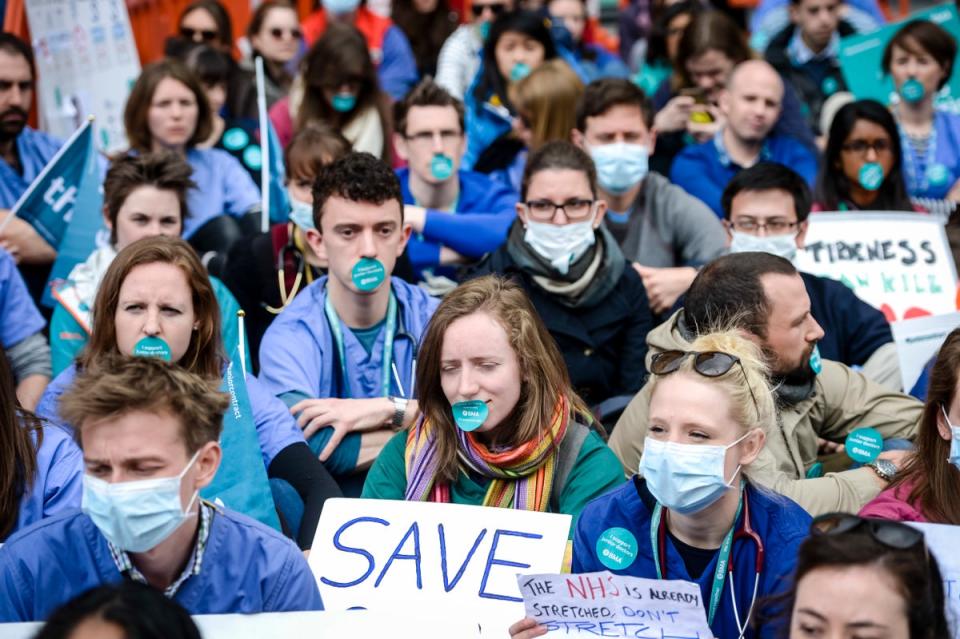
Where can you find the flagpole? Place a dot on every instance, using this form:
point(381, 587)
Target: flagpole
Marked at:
point(46, 169)
point(264, 148)
point(241, 340)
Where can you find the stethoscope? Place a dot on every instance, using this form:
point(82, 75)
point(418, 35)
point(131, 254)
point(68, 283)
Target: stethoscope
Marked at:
point(745, 531)
point(295, 253)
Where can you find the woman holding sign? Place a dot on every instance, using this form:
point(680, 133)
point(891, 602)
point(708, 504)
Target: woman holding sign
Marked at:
point(156, 300)
point(693, 513)
point(928, 488)
point(501, 425)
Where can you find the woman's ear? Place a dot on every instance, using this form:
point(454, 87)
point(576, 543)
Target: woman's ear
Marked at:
point(752, 445)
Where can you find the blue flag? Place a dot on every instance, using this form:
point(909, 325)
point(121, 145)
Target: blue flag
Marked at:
point(279, 201)
point(241, 482)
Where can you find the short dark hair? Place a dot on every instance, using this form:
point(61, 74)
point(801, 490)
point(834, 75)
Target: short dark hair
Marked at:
point(427, 93)
point(357, 177)
point(163, 170)
point(312, 146)
point(15, 46)
point(923, 36)
point(211, 65)
point(728, 293)
point(769, 176)
point(602, 95)
point(558, 154)
point(219, 14)
point(141, 611)
point(710, 30)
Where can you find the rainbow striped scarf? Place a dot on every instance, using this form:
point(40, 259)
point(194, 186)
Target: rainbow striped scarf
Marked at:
point(522, 477)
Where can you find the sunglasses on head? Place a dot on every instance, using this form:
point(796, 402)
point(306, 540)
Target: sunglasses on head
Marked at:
point(278, 33)
point(205, 34)
point(892, 534)
point(706, 363)
point(496, 9)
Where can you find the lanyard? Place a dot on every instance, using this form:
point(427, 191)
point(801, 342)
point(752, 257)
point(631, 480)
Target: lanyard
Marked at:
point(391, 328)
point(716, 591)
point(918, 183)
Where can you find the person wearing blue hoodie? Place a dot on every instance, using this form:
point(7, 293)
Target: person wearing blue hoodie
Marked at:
point(342, 355)
point(457, 216)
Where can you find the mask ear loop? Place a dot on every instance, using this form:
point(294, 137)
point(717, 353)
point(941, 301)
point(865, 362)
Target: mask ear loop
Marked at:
point(186, 511)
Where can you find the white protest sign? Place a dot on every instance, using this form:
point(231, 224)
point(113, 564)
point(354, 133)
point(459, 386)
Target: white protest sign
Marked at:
point(606, 605)
point(898, 262)
point(943, 541)
point(393, 555)
point(918, 340)
point(86, 61)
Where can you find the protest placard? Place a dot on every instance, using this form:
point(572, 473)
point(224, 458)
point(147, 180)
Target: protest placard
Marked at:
point(386, 555)
point(86, 62)
point(607, 605)
point(861, 55)
point(918, 340)
point(898, 262)
point(943, 542)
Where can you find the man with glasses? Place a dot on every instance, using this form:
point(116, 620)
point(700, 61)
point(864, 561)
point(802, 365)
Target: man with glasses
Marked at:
point(765, 208)
point(459, 58)
point(457, 216)
point(591, 301)
point(764, 297)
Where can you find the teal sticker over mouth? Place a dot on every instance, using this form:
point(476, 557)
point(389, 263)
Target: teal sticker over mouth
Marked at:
point(344, 102)
point(912, 90)
point(870, 176)
point(617, 548)
point(441, 166)
point(816, 364)
point(152, 347)
point(368, 274)
point(519, 71)
point(470, 415)
point(864, 445)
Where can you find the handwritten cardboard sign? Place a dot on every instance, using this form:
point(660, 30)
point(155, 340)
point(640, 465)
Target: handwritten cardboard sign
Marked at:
point(918, 340)
point(607, 605)
point(898, 262)
point(393, 555)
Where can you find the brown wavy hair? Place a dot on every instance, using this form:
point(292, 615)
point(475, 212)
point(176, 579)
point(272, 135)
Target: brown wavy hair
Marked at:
point(543, 374)
point(935, 481)
point(141, 95)
point(204, 356)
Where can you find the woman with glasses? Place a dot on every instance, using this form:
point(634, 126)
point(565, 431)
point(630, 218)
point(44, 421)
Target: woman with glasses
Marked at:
point(338, 86)
point(692, 512)
point(865, 578)
point(928, 487)
point(591, 300)
point(500, 425)
point(275, 35)
point(862, 165)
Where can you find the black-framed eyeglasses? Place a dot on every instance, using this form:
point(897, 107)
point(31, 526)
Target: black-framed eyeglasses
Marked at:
point(892, 534)
point(773, 227)
point(206, 35)
point(496, 8)
point(860, 147)
point(278, 33)
point(706, 363)
point(574, 209)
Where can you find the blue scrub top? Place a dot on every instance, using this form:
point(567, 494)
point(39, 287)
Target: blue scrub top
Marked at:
point(781, 524)
point(57, 485)
point(19, 317)
point(276, 427)
point(223, 188)
point(934, 177)
point(247, 568)
point(35, 150)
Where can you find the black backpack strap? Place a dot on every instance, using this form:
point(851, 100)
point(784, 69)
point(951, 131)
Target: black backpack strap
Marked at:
point(566, 458)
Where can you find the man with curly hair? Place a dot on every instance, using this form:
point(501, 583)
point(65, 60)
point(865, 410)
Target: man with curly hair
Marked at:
point(342, 354)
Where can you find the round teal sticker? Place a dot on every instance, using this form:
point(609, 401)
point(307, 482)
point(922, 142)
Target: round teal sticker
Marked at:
point(235, 139)
point(368, 274)
point(252, 157)
point(519, 71)
point(937, 174)
point(829, 85)
point(344, 102)
point(441, 166)
point(864, 445)
point(470, 415)
point(617, 548)
point(912, 90)
point(816, 364)
point(871, 176)
point(152, 347)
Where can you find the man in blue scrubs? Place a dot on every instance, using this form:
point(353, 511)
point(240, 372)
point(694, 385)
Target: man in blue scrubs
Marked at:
point(24, 151)
point(149, 433)
point(457, 216)
point(342, 354)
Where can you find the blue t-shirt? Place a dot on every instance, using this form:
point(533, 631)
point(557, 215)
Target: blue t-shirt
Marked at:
point(19, 317)
point(35, 149)
point(223, 188)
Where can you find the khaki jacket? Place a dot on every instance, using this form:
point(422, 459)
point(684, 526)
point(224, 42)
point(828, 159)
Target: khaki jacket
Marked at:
point(842, 400)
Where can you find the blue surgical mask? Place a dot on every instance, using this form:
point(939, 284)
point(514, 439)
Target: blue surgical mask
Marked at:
point(339, 7)
point(685, 478)
point(954, 457)
point(301, 214)
point(783, 245)
point(560, 245)
point(343, 102)
point(620, 166)
point(136, 515)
